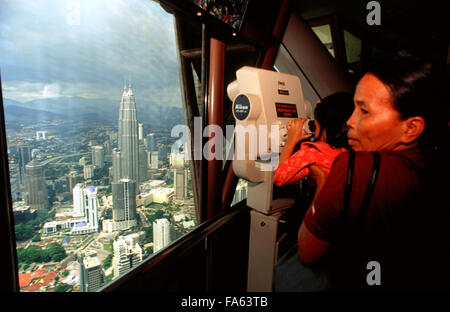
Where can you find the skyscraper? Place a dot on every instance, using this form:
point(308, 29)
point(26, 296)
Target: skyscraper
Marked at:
point(180, 183)
point(90, 198)
point(128, 137)
point(151, 143)
point(161, 234)
point(140, 131)
point(24, 153)
point(177, 160)
point(78, 198)
point(127, 254)
point(107, 147)
point(98, 156)
point(85, 202)
point(36, 195)
point(154, 160)
point(88, 171)
point(124, 202)
point(73, 178)
point(91, 272)
point(143, 176)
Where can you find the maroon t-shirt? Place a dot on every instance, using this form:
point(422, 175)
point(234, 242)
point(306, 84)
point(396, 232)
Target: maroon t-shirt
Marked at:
point(395, 230)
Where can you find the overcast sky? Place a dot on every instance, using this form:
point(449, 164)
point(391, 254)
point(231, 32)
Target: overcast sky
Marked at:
point(48, 50)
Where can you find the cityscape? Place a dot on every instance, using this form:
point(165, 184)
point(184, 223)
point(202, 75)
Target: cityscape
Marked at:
point(90, 206)
point(95, 186)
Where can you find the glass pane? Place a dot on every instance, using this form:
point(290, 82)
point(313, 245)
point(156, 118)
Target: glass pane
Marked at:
point(324, 34)
point(91, 92)
point(241, 192)
point(352, 47)
point(285, 64)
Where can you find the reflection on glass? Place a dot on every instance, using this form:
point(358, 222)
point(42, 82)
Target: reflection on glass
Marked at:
point(91, 93)
point(230, 11)
point(352, 47)
point(285, 64)
point(241, 192)
point(323, 32)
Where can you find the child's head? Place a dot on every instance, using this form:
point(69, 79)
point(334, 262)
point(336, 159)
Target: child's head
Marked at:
point(330, 116)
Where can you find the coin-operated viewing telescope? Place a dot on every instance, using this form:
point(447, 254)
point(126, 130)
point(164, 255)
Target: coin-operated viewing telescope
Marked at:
point(263, 102)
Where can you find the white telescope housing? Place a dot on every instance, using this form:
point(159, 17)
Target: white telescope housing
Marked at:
point(263, 102)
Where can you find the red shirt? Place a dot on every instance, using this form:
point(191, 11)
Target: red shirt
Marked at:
point(296, 168)
point(397, 229)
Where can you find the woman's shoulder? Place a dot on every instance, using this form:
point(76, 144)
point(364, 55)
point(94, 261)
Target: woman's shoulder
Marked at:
point(322, 147)
point(407, 160)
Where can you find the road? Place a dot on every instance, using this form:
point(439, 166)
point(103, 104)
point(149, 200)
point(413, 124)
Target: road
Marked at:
point(45, 162)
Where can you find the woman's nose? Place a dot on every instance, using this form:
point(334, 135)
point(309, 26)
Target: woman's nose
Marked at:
point(351, 121)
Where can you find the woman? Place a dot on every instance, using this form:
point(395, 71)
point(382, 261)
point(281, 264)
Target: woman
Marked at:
point(401, 231)
point(330, 139)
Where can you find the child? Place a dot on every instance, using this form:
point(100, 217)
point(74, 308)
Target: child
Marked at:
point(330, 140)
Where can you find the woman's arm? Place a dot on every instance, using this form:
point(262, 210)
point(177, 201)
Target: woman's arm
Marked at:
point(311, 248)
point(295, 135)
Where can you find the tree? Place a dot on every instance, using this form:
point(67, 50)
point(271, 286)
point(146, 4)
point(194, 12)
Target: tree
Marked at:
point(148, 234)
point(149, 250)
point(54, 252)
point(24, 231)
point(36, 238)
point(107, 262)
point(63, 288)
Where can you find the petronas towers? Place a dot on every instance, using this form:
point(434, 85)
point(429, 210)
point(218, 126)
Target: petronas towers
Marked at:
point(129, 162)
point(127, 157)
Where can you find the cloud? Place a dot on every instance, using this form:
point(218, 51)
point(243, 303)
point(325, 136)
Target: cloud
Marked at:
point(50, 91)
point(44, 54)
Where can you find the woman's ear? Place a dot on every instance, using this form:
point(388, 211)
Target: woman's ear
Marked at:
point(413, 128)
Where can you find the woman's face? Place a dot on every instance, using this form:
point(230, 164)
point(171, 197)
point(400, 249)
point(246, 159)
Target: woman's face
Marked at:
point(317, 131)
point(374, 124)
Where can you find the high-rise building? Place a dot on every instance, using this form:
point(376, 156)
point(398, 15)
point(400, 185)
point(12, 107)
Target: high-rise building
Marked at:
point(127, 254)
point(128, 137)
point(85, 202)
point(161, 234)
point(73, 178)
point(83, 161)
point(180, 183)
point(162, 150)
point(98, 156)
point(124, 201)
point(88, 171)
point(91, 272)
point(107, 147)
point(177, 160)
point(90, 198)
point(143, 175)
point(140, 131)
point(24, 153)
point(36, 195)
point(154, 160)
point(78, 198)
point(151, 143)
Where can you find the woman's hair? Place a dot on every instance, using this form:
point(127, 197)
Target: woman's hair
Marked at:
point(416, 90)
point(409, 82)
point(332, 113)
